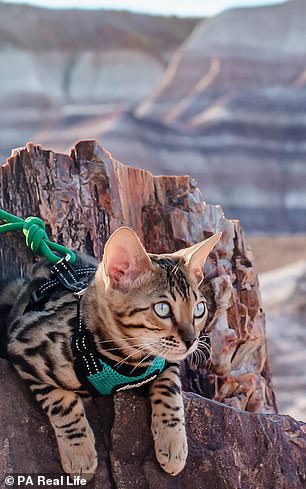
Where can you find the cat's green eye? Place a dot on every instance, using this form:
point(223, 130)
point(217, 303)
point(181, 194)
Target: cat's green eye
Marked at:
point(199, 310)
point(162, 309)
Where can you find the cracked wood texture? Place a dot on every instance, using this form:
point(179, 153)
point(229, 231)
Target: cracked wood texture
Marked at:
point(83, 198)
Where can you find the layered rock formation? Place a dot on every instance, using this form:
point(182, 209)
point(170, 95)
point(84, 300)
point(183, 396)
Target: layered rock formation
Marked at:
point(82, 198)
point(84, 57)
point(72, 66)
point(231, 107)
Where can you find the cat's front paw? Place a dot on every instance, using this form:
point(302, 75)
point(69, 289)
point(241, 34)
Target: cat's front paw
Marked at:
point(171, 450)
point(79, 459)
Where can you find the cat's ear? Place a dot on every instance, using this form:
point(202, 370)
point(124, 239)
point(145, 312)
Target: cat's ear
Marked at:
point(196, 256)
point(124, 258)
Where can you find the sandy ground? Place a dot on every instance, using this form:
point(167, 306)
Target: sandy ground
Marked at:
point(281, 263)
point(273, 252)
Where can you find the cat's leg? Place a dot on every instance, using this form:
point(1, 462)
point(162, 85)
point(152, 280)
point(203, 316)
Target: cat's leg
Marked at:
point(168, 421)
point(74, 436)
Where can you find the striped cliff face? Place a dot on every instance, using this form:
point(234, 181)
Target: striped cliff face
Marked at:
point(232, 106)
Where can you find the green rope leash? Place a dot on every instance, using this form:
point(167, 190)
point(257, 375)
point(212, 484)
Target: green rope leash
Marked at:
point(37, 239)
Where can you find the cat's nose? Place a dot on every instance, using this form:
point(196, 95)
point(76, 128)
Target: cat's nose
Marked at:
point(188, 334)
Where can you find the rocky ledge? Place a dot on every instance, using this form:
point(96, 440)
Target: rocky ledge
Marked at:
point(228, 448)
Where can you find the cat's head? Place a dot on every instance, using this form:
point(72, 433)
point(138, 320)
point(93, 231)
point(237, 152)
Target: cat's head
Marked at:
point(155, 301)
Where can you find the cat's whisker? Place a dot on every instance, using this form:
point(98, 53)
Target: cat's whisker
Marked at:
point(203, 359)
point(204, 355)
point(109, 341)
point(139, 350)
point(205, 349)
point(125, 347)
point(175, 269)
point(151, 353)
point(204, 339)
point(192, 357)
point(129, 356)
point(208, 362)
point(157, 351)
point(124, 338)
point(204, 343)
point(197, 358)
point(204, 335)
point(164, 351)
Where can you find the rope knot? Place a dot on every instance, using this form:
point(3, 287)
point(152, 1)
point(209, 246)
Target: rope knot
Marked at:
point(34, 230)
point(37, 239)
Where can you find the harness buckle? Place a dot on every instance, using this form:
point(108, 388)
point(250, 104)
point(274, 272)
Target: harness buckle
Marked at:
point(35, 298)
point(67, 276)
point(80, 293)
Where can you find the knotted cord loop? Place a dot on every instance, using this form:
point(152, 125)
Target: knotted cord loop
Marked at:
point(36, 236)
point(34, 230)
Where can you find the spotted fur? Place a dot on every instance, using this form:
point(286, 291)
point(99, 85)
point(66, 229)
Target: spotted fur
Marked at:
point(119, 308)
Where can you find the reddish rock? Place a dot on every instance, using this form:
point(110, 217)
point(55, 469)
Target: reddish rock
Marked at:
point(228, 448)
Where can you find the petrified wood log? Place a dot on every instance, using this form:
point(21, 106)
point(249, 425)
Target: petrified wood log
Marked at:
point(83, 198)
point(86, 196)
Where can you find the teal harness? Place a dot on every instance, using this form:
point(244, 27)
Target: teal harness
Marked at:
point(109, 380)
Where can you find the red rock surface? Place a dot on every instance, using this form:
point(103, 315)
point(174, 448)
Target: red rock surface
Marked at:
point(228, 448)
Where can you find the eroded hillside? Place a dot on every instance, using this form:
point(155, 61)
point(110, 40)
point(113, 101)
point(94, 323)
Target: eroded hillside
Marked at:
point(70, 67)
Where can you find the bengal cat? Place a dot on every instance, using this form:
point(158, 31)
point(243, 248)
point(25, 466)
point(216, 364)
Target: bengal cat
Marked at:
point(138, 306)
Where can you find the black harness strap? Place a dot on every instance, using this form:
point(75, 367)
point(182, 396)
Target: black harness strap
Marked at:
point(84, 350)
point(68, 277)
point(76, 280)
point(82, 342)
point(76, 285)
